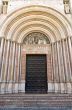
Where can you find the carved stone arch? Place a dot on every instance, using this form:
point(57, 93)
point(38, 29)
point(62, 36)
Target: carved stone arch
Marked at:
point(28, 18)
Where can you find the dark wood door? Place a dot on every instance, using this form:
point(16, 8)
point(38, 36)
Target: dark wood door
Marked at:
point(36, 74)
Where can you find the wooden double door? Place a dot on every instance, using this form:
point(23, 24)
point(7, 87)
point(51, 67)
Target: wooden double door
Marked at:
point(36, 74)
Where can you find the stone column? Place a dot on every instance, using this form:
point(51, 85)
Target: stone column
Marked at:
point(3, 67)
point(1, 54)
point(70, 53)
point(13, 60)
point(68, 61)
point(9, 86)
point(10, 62)
point(7, 60)
point(12, 77)
point(6, 65)
point(3, 61)
point(19, 68)
point(69, 41)
point(52, 86)
point(66, 65)
point(57, 73)
point(69, 67)
point(15, 79)
point(23, 68)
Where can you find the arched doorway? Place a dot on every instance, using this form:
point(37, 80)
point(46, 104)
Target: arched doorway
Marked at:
point(16, 27)
point(36, 65)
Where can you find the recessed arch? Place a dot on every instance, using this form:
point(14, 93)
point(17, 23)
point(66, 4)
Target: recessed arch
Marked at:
point(46, 18)
point(40, 21)
point(50, 36)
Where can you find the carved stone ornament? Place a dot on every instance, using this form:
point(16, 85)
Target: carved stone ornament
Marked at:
point(36, 38)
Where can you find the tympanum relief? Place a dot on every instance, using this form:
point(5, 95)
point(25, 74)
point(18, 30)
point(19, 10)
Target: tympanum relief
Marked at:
point(36, 38)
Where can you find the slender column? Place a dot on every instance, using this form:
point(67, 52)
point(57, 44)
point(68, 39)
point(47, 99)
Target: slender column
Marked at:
point(60, 59)
point(70, 53)
point(68, 88)
point(18, 69)
point(1, 54)
point(57, 76)
point(3, 67)
point(49, 69)
point(65, 60)
point(69, 85)
point(23, 66)
point(64, 85)
point(23, 70)
point(6, 65)
point(68, 61)
point(57, 67)
point(53, 67)
point(62, 63)
point(10, 62)
point(7, 59)
point(3, 62)
point(59, 62)
point(12, 66)
point(53, 61)
point(19, 53)
point(49, 73)
point(19, 65)
point(61, 67)
point(16, 74)
point(15, 85)
point(64, 46)
point(16, 62)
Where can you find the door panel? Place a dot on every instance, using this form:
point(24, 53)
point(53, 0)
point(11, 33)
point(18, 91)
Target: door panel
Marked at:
point(36, 74)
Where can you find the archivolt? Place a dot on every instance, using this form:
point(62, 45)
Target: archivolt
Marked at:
point(36, 18)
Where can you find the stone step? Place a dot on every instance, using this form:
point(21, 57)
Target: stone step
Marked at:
point(36, 95)
point(36, 100)
point(35, 108)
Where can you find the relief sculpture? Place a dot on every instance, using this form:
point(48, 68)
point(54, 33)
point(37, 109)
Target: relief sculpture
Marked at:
point(36, 38)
